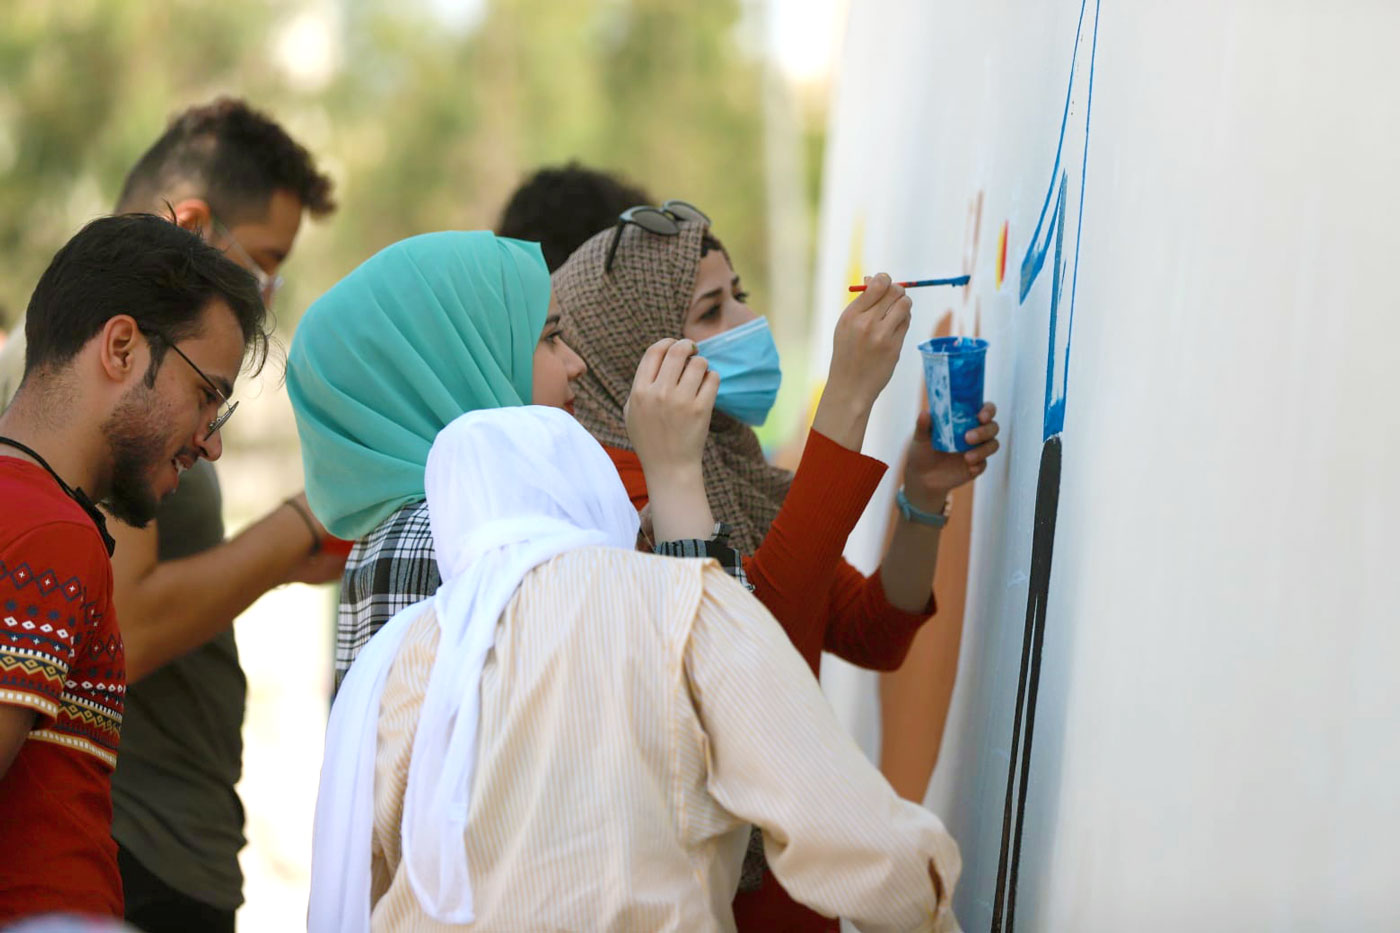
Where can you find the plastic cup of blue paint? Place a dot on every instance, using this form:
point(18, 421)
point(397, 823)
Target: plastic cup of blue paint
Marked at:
point(955, 371)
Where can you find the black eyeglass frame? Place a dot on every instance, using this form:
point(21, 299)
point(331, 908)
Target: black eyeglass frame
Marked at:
point(662, 221)
point(219, 420)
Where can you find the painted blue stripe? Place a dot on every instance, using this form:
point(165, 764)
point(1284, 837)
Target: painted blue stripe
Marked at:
point(1035, 258)
point(1050, 227)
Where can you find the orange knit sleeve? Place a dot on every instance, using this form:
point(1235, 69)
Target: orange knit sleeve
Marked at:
point(797, 564)
point(864, 627)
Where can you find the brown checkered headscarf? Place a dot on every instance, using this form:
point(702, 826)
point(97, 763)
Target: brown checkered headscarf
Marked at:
point(611, 319)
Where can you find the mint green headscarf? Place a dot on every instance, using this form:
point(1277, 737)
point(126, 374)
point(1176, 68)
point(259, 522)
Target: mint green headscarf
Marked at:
point(423, 331)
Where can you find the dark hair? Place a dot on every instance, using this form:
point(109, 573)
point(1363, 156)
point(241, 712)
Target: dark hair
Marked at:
point(144, 266)
point(236, 157)
point(560, 208)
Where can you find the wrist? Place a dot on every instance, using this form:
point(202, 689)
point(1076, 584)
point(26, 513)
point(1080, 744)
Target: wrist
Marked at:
point(680, 512)
point(927, 500)
point(672, 476)
point(679, 505)
point(304, 517)
point(842, 418)
point(922, 513)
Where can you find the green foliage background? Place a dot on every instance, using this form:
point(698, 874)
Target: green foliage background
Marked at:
point(425, 124)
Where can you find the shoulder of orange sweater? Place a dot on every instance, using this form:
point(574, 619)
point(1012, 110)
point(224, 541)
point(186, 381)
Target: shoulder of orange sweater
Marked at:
point(629, 470)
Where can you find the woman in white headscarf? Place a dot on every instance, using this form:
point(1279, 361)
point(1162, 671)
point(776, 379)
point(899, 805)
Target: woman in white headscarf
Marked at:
point(564, 736)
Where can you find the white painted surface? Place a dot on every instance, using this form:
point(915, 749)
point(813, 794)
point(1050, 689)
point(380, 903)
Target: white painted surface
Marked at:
point(1215, 744)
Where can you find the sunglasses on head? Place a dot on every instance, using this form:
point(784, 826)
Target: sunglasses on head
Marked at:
point(663, 221)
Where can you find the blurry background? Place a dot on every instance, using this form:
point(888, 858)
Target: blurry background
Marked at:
point(426, 113)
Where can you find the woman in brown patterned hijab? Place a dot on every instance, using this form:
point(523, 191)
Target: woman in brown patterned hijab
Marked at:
point(627, 288)
point(620, 312)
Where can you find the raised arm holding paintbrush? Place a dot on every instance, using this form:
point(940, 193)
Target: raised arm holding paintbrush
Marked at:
point(869, 336)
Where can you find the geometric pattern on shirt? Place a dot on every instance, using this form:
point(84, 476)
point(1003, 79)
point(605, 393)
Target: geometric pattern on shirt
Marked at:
point(388, 570)
point(57, 659)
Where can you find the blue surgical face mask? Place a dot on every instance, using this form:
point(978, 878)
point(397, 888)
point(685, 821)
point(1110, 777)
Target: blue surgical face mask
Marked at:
point(746, 359)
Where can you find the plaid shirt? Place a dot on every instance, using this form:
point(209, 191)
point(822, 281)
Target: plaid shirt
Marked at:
point(716, 546)
point(389, 570)
point(395, 566)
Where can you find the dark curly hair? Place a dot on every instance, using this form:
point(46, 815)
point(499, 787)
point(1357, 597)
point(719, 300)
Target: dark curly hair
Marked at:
point(236, 156)
point(561, 207)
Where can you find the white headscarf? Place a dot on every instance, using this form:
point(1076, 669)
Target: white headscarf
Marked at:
point(507, 490)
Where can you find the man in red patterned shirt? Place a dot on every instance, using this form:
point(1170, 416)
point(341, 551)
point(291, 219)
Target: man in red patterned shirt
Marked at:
point(136, 333)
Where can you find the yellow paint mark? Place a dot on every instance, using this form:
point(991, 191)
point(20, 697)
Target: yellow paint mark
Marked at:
point(857, 255)
point(1001, 254)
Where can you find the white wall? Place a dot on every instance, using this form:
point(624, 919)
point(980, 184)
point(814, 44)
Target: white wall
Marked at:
point(1216, 736)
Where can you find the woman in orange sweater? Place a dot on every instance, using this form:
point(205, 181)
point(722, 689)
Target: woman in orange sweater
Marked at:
point(660, 274)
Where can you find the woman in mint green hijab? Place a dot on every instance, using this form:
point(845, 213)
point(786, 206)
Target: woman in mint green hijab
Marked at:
point(428, 328)
point(423, 331)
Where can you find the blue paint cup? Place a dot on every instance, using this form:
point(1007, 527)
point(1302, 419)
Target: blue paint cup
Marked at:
point(954, 371)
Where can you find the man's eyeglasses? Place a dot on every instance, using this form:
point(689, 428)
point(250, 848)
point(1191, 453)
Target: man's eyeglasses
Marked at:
point(267, 284)
point(663, 221)
point(221, 419)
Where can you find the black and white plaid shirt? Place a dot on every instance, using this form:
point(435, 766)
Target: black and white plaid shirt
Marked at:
point(716, 546)
point(392, 568)
point(395, 566)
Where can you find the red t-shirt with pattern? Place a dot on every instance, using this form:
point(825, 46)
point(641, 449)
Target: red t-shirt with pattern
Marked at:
point(60, 656)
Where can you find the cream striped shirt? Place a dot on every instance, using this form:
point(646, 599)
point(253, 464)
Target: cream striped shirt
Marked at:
point(637, 714)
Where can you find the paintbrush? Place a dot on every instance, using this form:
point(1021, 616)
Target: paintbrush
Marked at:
point(955, 280)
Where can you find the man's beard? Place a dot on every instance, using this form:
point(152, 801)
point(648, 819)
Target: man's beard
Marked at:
point(137, 442)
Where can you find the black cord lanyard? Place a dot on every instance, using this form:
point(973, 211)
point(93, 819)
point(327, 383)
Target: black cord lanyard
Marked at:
point(77, 495)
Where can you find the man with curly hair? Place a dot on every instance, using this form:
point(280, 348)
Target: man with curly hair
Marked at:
point(560, 207)
point(234, 176)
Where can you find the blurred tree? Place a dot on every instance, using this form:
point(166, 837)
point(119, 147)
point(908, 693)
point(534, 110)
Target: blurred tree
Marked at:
point(425, 123)
point(84, 87)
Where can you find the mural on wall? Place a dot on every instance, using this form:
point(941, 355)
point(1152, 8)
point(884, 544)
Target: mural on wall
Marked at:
point(1056, 238)
point(915, 699)
point(1143, 687)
